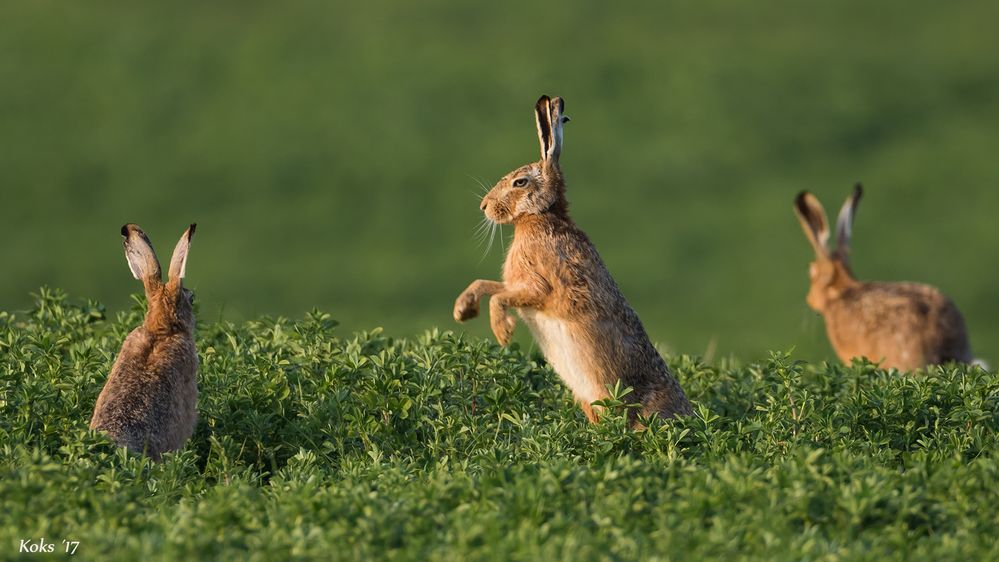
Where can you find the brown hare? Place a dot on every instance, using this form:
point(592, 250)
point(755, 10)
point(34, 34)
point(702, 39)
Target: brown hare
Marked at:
point(557, 282)
point(903, 326)
point(148, 403)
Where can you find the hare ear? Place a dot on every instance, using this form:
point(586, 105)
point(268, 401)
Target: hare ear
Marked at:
point(178, 263)
point(844, 224)
point(548, 114)
point(542, 116)
point(140, 255)
point(813, 222)
point(556, 120)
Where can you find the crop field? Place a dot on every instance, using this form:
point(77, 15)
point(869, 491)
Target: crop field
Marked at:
point(323, 444)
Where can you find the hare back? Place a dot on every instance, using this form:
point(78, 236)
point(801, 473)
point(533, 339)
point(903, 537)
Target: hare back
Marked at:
point(149, 401)
point(904, 325)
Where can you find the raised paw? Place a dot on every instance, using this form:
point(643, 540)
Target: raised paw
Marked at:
point(502, 325)
point(466, 306)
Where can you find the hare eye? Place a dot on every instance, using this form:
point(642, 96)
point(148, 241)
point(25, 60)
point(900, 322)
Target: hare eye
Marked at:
point(520, 182)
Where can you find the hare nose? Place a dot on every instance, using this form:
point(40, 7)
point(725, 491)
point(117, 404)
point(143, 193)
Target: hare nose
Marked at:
point(483, 205)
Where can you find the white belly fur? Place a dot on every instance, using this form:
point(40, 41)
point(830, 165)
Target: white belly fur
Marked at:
point(567, 354)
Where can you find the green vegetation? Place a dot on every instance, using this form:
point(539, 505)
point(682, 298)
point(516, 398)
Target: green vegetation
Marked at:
point(326, 445)
point(330, 151)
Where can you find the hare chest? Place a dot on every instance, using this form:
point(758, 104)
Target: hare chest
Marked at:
point(568, 353)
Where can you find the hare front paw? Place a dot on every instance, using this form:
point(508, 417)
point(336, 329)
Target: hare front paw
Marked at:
point(502, 325)
point(466, 306)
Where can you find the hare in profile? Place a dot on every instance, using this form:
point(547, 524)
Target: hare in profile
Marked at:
point(148, 403)
point(557, 282)
point(901, 325)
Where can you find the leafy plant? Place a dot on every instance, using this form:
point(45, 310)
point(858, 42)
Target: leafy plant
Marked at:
point(321, 445)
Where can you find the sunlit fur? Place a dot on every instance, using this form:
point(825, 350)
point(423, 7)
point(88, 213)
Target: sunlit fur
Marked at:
point(899, 325)
point(556, 280)
point(149, 401)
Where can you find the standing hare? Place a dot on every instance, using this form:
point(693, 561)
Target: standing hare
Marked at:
point(901, 325)
point(148, 402)
point(556, 280)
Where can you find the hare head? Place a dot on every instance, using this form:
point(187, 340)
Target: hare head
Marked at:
point(830, 273)
point(171, 306)
point(536, 188)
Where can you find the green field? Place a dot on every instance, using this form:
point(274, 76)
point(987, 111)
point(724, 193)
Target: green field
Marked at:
point(332, 153)
point(321, 444)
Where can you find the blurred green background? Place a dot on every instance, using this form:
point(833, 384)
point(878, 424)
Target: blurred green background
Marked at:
point(330, 152)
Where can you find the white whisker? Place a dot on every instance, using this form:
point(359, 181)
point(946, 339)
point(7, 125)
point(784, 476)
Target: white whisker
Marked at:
point(485, 232)
point(485, 188)
point(492, 237)
point(481, 231)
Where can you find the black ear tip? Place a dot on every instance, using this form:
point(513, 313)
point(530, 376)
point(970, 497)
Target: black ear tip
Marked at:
point(124, 230)
point(858, 189)
point(191, 229)
point(801, 202)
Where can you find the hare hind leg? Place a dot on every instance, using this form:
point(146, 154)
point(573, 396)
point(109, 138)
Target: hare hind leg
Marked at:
point(590, 411)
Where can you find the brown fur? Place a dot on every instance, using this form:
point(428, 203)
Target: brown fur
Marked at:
point(149, 401)
point(556, 280)
point(900, 325)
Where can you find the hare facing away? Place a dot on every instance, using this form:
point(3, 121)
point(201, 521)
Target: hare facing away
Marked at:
point(148, 403)
point(901, 325)
point(557, 282)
